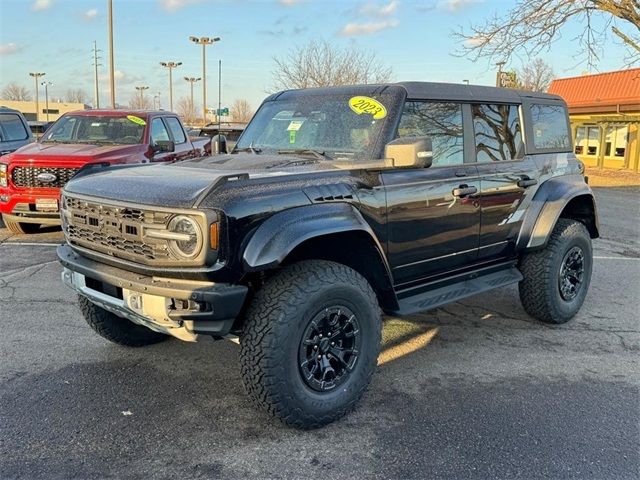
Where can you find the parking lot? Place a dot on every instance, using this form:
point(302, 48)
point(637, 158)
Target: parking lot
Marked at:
point(473, 390)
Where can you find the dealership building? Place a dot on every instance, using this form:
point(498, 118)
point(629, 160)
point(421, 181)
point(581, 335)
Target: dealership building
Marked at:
point(55, 110)
point(605, 117)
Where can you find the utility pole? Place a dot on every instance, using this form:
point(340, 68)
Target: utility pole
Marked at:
point(170, 66)
point(204, 41)
point(499, 74)
point(36, 76)
point(96, 102)
point(112, 82)
point(46, 97)
point(191, 81)
point(219, 95)
point(141, 89)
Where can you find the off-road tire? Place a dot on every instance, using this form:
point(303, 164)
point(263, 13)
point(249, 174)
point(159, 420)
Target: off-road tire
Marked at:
point(117, 329)
point(539, 290)
point(274, 327)
point(21, 227)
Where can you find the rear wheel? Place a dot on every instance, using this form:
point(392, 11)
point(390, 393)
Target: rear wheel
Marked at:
point(21, 227)
point(556, 278)
point(117, 329)
point(310, 343)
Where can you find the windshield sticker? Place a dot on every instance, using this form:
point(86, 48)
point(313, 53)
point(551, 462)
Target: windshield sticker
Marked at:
point(292, 136)
point(295, 125)
point(369, 106)
point(96, 124)
point(137, 120)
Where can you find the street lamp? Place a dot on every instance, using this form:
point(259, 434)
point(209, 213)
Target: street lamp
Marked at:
point(46, 96)
point(141, 89)
point(156, 97)
point(36, 76)
point(191, 81)
point(204, 41)
point(170, 66)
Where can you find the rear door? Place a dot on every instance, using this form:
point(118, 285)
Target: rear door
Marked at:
point(506, 173)
point(430, 228)
point(183, 147)
point(160, 132)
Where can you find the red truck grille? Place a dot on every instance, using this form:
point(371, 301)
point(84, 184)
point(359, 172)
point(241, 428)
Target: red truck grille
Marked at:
point(42, 177)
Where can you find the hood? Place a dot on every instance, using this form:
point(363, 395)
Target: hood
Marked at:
point(38, 152)
point(181, 184)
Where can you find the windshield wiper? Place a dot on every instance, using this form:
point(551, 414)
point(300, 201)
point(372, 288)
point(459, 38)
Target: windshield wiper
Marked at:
point(308, 151)
point(294, 162)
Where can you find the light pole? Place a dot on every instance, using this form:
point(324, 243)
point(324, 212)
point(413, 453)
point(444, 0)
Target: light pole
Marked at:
point(204, 41)
point(46, 96)
point(170, 66)
point(36, 76)
point(156, 97)
point(141, 89)
point(499, 74)
point(191, 81)
point(112, 81)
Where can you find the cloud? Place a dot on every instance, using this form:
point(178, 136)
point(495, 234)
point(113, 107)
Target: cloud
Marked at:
point(289, 3)
point(90, 15)
point(474, 41)
point(353, 29)
point(455, 5)
point(40, 5)
point(10, 48)
point(173, 5)
point(375, 10)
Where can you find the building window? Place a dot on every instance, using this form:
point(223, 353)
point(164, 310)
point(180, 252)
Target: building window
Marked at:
point(587, 140)
point(51, 111)
point(497, 131)
point(616, 141)
point(442, 122)
point(550, 129)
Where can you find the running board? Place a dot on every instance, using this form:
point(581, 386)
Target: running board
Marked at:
point(457, 291)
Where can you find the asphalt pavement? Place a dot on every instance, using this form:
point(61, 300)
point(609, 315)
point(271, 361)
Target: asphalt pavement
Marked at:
point(473, 390)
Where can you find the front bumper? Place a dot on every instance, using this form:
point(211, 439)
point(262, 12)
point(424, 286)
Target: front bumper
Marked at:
point(22, 206)
point(182, 308)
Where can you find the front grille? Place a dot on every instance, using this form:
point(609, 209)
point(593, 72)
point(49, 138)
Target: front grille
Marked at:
point(114, 230)
point(28, 176)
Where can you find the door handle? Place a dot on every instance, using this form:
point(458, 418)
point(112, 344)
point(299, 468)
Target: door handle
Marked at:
point(461, 173)
point(463, 191)
point(525, 182)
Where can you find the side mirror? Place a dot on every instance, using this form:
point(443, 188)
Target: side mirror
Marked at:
point(219, 144)
point(163, 146)
point(413, 152)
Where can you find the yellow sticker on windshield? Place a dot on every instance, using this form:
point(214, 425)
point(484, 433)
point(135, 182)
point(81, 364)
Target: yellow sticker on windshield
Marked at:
point(137, 120)
point(368, 105)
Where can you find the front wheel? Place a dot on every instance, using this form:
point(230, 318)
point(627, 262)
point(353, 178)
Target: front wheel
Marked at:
point(556, 278)
point(310, 343)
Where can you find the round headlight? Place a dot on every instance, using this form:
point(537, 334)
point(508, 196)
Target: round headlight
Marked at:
point(192, 243)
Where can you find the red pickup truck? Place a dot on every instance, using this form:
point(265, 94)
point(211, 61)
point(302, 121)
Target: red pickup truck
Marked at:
point(32, 176)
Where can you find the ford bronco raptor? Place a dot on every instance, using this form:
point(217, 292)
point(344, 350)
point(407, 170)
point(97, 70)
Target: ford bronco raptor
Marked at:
point(335, 205)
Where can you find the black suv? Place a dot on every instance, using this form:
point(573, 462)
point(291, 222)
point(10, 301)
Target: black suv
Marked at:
point(335, 204)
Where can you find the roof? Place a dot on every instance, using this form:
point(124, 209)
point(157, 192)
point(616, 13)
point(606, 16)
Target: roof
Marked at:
point(428, 91)
point(119, 113)
point(604, 89)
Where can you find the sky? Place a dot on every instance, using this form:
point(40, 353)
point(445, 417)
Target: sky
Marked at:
point(413, 37)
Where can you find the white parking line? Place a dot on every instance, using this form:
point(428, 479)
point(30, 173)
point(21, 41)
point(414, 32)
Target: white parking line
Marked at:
point(31, 244)
point(615, 258)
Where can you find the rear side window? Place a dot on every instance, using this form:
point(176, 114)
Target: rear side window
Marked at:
point(440, 121)
point(550, 130)
point(176, 129)
point(12, 128)
point(498, 134)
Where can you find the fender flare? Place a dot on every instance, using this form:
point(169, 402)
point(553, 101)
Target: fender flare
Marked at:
point(546, 207)
point(281, 233)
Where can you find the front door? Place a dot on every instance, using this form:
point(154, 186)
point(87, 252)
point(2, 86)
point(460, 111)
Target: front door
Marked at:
point(433, 217)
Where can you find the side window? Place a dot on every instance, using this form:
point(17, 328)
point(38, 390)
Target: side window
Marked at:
point(440, 121)
point(12, 128)
point(158, 131)
point(497, 133)
point(176, 129)
point(550, 127)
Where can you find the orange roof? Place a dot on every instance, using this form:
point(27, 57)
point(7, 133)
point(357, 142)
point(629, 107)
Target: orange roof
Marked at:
point(611, 88)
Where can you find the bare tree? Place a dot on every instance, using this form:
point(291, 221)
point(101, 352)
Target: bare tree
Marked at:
point(321, 64)
point(139, 102)
point(241, 110)
point(13, 91)
point(76, 95)
point(535, 76)
point(185, 109)
point(531, 26)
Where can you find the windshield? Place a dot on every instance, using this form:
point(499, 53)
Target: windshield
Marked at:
point(125, 130)
point(338, 126)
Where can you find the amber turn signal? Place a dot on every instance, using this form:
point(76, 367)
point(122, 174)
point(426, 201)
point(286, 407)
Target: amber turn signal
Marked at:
point(214, 233)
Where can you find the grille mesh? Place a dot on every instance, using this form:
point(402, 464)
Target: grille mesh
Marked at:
point(28, 176)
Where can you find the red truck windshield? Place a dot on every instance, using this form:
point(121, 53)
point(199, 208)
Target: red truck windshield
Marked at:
point(126, 130)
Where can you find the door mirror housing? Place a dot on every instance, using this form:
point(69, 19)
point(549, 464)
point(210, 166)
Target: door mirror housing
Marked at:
point(163, 146)
point(219, 144)
point(412, 152)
